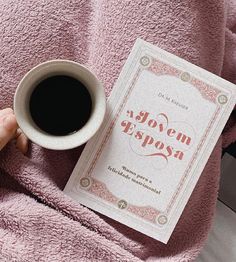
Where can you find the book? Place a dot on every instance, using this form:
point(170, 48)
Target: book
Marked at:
point(164, 117)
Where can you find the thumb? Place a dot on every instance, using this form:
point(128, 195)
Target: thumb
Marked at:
point(7, 129)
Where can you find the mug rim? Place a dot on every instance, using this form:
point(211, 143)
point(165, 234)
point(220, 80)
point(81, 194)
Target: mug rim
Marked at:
point(54, 67)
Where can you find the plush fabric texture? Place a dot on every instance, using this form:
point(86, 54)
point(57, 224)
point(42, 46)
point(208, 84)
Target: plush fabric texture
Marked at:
point(38, 222)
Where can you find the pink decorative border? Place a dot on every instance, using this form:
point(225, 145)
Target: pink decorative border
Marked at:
point(207, 92)
point(160, 68)
point(100, 189)
point(184, 177)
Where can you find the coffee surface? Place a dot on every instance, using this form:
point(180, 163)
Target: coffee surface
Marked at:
point(60, 105)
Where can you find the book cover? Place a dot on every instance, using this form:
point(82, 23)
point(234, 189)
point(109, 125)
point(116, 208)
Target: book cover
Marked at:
point(163, 118)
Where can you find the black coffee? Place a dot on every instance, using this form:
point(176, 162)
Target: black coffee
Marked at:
point(60, 105)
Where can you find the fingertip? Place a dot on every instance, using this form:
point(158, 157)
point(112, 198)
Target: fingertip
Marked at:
point(10, 123)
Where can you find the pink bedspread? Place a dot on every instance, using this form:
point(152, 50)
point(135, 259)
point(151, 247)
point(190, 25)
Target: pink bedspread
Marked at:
point(37, 221)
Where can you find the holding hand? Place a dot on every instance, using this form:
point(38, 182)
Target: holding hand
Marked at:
point(9, 130)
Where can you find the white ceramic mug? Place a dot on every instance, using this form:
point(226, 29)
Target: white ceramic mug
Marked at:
point(43, 71)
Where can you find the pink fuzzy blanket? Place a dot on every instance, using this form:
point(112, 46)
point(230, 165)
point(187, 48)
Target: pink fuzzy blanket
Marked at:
point(38, 222)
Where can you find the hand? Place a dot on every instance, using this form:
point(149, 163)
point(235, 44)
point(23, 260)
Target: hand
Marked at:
point(9, 130)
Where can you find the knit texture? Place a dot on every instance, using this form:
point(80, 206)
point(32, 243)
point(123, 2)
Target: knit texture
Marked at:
point(38, 222)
